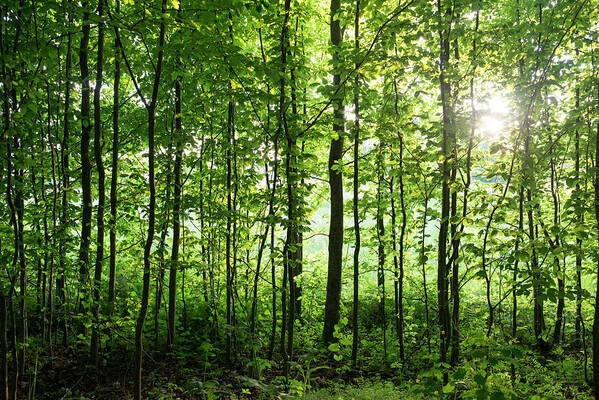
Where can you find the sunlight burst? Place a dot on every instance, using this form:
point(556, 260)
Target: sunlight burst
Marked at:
point(493, 112)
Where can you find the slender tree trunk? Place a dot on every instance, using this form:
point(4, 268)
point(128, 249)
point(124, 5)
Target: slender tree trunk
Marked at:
point(3, 294)
point(356, 185)
point(46, 237)
point(14, 342)
point(423, 260)
point(20, 208)
point(162, 249)
point(174, 265)
point(98, 154)
point(333, 297)
point(398, 259)
point(114, 173)
point(452, 263)
point(380, 233)
point(229, 271)
point(151, 108)
point(12, 291)
point(290, 253)
point(64, 213)
point(273, 277)
point(40, 297)
point(515, 276)
point(86, 169)
point(560, 269)
point(596, 315)
point(50, 302)
point(3, 346)
point(538, 314)
point(12, 217)
point(580, 223)
point(442, 272)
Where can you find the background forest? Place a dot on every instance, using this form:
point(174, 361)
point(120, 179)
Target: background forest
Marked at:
point(207, 199)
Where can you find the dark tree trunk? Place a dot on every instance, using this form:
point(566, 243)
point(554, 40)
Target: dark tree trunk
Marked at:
point(151, 108)
point(442, 272)
point(559, 313)
point(20, 208)
point(380, 233)
point(3, 346)
point(174, 265)
point(423, 260)
point(114, 173)
point(356, 185)
point(596, 314)
point(229, 271)
point(98, 154)
point(64, 213)
point(333, 297)
point(162, 250)
point(86, 168)
point(580, 223)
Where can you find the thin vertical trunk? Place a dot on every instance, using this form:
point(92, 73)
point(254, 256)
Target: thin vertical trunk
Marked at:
point(290, 253)
point(14, 384)
point(380, 232)
point(596, 314)
point(273, 277)
point(560, 269)
point(40, 297)
point(183, 270)
point(174, 265)
point(3, 294)
point(64, 212)
point(3, 346)
point(580, 223)
point(213, 249)
point(162, 249)
point(229, 271)
point(86, 168)
point(98, 153)
point(538, 315)
point(13, 223)
point(356, 185)
point(515, 276)
point(442, 272)
point(398, 259)
point(423, 260)
point(333, 296)
point(20, 208)
point(114, 173)
point(151, 108)
point(270, 212)
point(46, 236)
point(50, 301)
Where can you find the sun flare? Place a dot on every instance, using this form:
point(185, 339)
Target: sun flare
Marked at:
point(494, 114)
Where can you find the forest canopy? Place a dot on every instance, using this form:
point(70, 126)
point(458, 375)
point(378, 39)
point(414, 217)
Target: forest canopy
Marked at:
point(204, 199)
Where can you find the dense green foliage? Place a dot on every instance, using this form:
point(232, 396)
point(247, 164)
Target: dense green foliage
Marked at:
point(269, 199)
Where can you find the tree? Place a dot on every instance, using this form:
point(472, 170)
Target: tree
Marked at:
point(331, 311)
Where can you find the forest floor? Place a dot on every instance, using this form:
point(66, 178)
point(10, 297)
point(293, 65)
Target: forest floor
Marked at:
point(67, 375)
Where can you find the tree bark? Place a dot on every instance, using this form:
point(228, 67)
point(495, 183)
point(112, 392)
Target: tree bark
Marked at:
point(98, 154)
point(86, 169)
point(114, 173)
point(442, 272)
point(174, 265)
point(596, 314)
point(151, 108)
point(380, 233)
point(356, 185)
point(333, 297)
point(64, 213)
